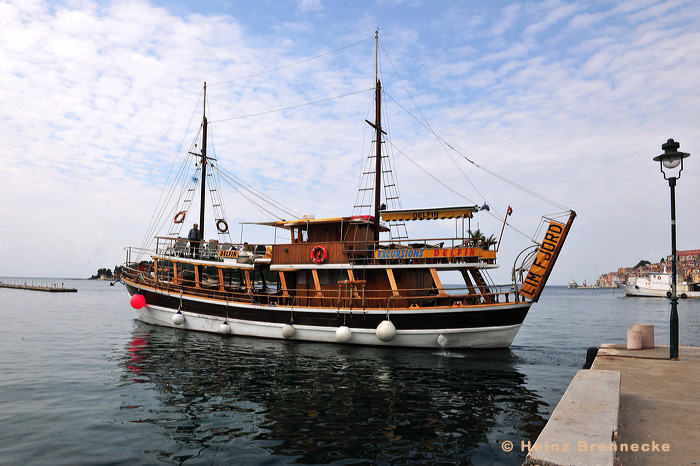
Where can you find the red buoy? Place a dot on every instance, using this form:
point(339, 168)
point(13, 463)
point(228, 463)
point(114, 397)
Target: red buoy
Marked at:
point(138, 301)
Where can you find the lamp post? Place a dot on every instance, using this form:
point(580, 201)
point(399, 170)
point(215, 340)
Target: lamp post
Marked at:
point(671, 164)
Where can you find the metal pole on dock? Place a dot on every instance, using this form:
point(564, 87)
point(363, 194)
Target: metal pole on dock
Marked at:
point(672, 160)
point(674, 295)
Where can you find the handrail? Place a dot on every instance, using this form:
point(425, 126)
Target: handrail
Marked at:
point(370, 299)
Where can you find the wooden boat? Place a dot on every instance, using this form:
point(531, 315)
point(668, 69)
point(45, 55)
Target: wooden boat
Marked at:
point(338, 280)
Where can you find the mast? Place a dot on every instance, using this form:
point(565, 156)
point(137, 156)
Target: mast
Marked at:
point(378, 128)
point(204, 165)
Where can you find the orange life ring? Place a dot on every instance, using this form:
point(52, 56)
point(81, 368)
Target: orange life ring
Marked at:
point(180, 217)
point(221, 229)
point(319, 254)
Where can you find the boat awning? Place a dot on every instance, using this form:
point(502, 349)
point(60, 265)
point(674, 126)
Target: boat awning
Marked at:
point(428, 214)
point(304, 222)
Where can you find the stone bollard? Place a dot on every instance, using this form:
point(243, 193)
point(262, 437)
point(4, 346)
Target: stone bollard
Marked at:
point(647, 334)
point(634, 339)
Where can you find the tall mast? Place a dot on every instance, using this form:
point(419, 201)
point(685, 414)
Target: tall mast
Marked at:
point(378, 129)
point(204, 165)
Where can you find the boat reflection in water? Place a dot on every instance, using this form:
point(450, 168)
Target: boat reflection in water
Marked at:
point(248, 400)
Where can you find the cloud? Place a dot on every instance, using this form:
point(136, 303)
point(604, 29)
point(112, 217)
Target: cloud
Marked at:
point(568, 99)
point(305, 6)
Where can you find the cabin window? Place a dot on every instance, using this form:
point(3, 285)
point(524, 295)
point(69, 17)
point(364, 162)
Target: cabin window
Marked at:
point(324, 277)
point(301, 277)
point(299, 235)
point(331, 277)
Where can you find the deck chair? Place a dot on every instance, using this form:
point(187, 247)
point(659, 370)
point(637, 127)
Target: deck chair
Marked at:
point(210, 251)
point(180, 247)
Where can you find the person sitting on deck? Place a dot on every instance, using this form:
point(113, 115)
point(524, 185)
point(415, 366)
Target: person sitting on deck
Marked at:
point(194, 238)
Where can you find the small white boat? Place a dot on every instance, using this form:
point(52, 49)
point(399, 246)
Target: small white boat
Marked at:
point(573, 284)
point(658, 285)
point(586, 286)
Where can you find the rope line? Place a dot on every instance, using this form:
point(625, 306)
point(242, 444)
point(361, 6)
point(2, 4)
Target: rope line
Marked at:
point(455, 191)
point(232, 179)
point(426, 124)
point(306, 104)
point(291, 64)
point(161, 205)
point(490, 172)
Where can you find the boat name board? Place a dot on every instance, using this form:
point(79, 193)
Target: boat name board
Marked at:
point(428, 214)
point(228, 254)
point(544, 261)
point(427, 253)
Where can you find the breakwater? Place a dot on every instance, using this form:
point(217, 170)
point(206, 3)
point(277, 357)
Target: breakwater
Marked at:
point(39, 286)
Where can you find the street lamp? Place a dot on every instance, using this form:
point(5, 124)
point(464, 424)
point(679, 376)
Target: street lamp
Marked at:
point(671, 164)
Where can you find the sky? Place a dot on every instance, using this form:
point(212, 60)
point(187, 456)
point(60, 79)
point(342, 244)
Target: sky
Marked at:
point(569, 99)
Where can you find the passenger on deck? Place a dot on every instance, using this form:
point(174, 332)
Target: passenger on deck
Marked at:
point(194, 238)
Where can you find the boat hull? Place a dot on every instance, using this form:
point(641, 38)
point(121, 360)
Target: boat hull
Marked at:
point(643, 292)
point(491, 326)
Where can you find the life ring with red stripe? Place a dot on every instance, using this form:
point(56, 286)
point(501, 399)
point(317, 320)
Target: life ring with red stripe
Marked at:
point(222, 226)
point(180, 217)
point(319, 254)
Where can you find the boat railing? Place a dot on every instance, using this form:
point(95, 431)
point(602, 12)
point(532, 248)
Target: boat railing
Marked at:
point(428, 250)
point(212, 250)
point(347, 295)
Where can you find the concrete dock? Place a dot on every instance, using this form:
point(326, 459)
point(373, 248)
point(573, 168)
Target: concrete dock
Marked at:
point(654, 401)
point(659, 402)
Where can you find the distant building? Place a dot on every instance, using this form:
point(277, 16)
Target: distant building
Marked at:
point(688, 269)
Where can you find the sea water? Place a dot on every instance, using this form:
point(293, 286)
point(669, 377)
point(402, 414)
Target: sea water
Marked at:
point(82, 382)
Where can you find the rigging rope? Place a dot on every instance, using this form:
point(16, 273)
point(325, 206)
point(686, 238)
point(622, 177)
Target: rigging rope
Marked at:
point(292, 64)
point(257, 193)
point(442, 142)
point(490, 172)
point(453, 190)
point(269, 213)
point(163, 203)
point(232, 180)
point(291, 107)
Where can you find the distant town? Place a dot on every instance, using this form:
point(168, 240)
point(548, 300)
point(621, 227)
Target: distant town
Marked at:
point(688, 270)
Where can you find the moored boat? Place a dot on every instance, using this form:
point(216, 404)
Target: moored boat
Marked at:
point(658, 285)
point(586, 286)
point(341, 279)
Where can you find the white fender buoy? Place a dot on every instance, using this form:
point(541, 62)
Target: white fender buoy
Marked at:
point(343, 334)
point(442, 341)
point(288, 331)
point(224, 328)
point(178, 318)
point(386, 331)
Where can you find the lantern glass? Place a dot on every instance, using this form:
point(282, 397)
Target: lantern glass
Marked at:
point(671, 162)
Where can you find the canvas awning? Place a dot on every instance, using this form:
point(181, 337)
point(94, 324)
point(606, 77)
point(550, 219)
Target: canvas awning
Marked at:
point(428, 214)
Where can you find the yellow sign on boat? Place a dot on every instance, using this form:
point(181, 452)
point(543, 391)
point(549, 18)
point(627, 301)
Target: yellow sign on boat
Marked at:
point(427, 214)
point(427, 253)
point(544, 261)
point(228, 254)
